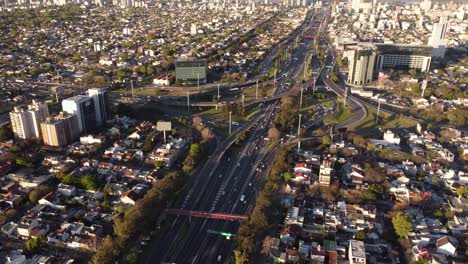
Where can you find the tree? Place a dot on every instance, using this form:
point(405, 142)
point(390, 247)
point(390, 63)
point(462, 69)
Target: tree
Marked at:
point(159, 163)
point(89, 182)
point(33, 244)
point(368, 195)
point(287, 176)
point(150, 70)
point(462, 191)
point(402, 224)
point(274, 133)
point(39, 192)
point(326, 140)
point(240, 257)
point(23, 162)
point(376, 188)
point(195, 149)
point(107, 252)
point(6, 133)
point(360, 235)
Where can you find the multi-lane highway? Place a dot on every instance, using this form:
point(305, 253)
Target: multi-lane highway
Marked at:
point(358, 109)
point(227, 183)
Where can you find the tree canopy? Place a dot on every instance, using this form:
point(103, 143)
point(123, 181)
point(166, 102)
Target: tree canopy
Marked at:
point(402, 224)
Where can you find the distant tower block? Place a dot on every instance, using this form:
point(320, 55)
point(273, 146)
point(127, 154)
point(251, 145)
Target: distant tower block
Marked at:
point(193, 29)
point(437, 39)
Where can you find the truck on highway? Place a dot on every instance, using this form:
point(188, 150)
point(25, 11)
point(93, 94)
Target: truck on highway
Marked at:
point(242, 198)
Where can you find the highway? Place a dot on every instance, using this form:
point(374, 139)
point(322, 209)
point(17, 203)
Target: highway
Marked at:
point(359, 104)
point(224, 179)
point(358, 109)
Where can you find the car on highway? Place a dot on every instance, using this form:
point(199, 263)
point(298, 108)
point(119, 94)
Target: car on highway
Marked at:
point(219, 258)
point(242, 198)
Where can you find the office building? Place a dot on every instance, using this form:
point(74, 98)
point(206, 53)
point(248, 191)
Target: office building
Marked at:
point(403, 57)
point(84, 109)
point(437, 40)
point(60, 130)
point(365, 60)
point(356, 252)
point(191, 71)
point(361, 64)
point(26, 122)
point(101, 104)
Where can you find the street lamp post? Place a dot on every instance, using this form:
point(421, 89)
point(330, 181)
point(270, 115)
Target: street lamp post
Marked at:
point(256, 90)
point(298, 135)
point(378, 112)
point(345, 96)
point(188, 102)
point(300, 101)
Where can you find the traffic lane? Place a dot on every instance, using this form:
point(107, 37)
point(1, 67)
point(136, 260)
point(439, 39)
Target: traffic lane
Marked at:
point(206, 205)
point(251, 198)
point(194, 239)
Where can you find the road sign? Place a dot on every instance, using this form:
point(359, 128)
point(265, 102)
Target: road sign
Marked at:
point(163, 126)
point(228, 235)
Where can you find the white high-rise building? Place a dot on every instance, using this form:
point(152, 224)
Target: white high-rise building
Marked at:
point(193, 29)
point(27, 123)
point(437, 40)
point(426, 5)
point(361, 64)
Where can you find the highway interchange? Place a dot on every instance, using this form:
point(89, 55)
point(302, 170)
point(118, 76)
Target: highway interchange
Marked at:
point(227, 177)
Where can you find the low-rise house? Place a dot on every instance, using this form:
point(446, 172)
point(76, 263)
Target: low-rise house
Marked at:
point(54, 199)
point(444, 246)
point(66, 190)
point(356, 252)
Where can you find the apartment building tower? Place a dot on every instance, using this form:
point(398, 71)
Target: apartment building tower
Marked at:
point(26, 122)
point(60, 130)
point(361, 61)
point(437, 40)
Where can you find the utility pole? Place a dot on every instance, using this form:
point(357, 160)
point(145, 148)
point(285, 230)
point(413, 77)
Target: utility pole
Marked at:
point(274, 80)
point(313, 85)
point(218, 94)
point(230, 122)
point(198, 81)
point(256, 90)
point(378, 111)
point(243, 101)
point(188, 102)
point(305, 69)
point(131, 85)
point(298, 135)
